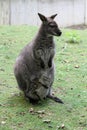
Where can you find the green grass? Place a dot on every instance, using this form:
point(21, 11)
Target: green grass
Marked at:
point(70, 83)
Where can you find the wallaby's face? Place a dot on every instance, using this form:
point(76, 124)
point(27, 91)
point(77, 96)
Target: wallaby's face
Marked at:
point(50, 25)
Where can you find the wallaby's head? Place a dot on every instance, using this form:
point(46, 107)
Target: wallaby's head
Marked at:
point(50, 25)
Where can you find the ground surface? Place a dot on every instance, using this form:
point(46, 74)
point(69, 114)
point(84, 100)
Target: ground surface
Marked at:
point(78, 27)
point(70, 83)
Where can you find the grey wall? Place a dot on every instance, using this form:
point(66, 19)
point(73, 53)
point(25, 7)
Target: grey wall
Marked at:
point(17, 12)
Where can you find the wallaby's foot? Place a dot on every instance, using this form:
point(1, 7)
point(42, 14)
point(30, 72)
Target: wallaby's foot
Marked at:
point(55, 99)
point(33, 101)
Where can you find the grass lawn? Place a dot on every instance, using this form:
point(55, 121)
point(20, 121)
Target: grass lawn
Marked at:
point(70, 83)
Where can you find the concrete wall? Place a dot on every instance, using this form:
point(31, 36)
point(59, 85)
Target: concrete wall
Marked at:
point(70, 12)
point(4, 12)
point(86, 12)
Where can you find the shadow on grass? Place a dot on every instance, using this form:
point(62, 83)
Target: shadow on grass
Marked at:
point(19, 100)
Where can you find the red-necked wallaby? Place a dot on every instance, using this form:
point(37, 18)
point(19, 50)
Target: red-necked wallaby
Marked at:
point(34, 67)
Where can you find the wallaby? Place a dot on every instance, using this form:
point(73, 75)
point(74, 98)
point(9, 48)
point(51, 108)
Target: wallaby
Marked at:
point(34, 67)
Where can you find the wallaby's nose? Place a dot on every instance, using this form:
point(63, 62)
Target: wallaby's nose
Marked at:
point(59, 33)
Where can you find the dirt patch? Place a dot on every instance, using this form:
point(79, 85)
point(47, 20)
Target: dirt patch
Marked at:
point(78, 27)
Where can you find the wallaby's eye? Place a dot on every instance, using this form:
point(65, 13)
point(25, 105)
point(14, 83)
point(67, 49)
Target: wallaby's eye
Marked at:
point(52, 25)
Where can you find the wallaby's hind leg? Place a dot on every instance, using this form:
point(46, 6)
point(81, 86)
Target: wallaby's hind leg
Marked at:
point(21, 74)
point(21, 83)
point(55, 99)
point(23, 86)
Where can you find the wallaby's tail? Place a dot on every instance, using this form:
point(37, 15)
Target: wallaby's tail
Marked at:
point(55, 99)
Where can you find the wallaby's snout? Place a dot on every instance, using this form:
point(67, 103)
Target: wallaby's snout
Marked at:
point(53, 29)
point(58, 33)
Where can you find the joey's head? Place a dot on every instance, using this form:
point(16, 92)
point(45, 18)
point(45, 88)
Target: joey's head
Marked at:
point(49, 25)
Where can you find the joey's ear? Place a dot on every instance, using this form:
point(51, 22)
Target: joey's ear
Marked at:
point(53, 16)
point(42, 17)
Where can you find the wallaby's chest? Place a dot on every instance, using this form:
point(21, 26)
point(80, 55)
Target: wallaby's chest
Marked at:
point(44, 52)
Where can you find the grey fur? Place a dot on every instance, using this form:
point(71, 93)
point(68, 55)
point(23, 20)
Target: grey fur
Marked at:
point(34, 67)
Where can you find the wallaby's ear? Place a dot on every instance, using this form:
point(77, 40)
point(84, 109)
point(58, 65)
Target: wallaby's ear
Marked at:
point(53, 16)
point(42, 17)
